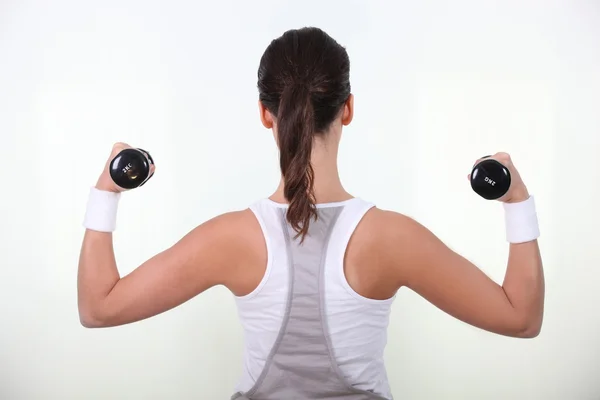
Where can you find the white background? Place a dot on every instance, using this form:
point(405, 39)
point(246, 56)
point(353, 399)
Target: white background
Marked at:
point(437, 84)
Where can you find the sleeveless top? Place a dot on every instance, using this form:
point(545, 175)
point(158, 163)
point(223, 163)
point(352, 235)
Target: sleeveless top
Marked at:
point(307, 333)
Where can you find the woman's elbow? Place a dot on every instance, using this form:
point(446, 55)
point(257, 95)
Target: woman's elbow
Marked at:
point(88, 321)
point(530, 333)
point(91, 318)
point(530, 328)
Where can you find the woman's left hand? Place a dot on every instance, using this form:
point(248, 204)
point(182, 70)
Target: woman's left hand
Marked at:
point(105, 182)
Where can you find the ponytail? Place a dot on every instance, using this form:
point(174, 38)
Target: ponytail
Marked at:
point(304, 81)
point(295, 131)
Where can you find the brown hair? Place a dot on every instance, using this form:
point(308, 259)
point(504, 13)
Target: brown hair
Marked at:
point(304, 81)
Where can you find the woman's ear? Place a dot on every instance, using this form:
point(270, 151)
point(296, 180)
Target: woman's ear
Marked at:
point(348, 113)
point(265, 116)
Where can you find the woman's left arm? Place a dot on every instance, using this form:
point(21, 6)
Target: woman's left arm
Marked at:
point(207, 256)
point(203, 258)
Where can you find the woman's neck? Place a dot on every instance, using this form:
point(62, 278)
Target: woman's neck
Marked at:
point(327, 185)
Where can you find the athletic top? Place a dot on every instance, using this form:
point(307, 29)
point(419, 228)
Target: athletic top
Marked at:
point(307, 333)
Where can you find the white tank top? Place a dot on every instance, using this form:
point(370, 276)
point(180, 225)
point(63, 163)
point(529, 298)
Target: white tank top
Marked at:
point(357, 325)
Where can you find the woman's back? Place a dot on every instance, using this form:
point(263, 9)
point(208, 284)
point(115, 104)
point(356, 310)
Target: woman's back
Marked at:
point(305, 318)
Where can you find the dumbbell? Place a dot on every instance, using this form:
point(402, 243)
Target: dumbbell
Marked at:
point(490, 179)
point(131, 168)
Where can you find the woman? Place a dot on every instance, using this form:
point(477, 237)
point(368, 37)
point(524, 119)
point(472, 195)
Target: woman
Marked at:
point(313, 269)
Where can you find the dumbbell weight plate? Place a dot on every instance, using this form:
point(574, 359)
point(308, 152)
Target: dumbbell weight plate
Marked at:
point(130, 168)
point(490, 179)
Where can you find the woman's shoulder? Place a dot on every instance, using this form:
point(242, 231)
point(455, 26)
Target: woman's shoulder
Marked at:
point(237, 236)
point(372, 262)
point(383, 223)
point(400, 243)
point(240, 228)
point(391, 237)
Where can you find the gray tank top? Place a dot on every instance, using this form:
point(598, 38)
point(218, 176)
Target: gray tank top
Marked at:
point(301, 364)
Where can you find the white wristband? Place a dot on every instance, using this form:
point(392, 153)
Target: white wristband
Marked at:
point(101, 211)
point(521, 221)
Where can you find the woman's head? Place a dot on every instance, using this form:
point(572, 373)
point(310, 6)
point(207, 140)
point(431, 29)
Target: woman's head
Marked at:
point(303, 83)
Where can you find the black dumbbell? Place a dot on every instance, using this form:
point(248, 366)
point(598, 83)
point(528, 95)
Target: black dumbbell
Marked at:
point(490, 179)
point(131, 168)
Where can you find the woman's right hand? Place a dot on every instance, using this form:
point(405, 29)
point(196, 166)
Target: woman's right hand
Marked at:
point(517, 191)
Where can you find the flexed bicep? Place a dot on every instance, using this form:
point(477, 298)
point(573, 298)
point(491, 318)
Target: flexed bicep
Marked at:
point(203, 258)
point(452, 283)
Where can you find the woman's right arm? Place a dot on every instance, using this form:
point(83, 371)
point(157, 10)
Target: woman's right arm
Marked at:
point(423, 263)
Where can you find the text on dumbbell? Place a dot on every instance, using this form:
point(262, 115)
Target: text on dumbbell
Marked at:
point(129, 166)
